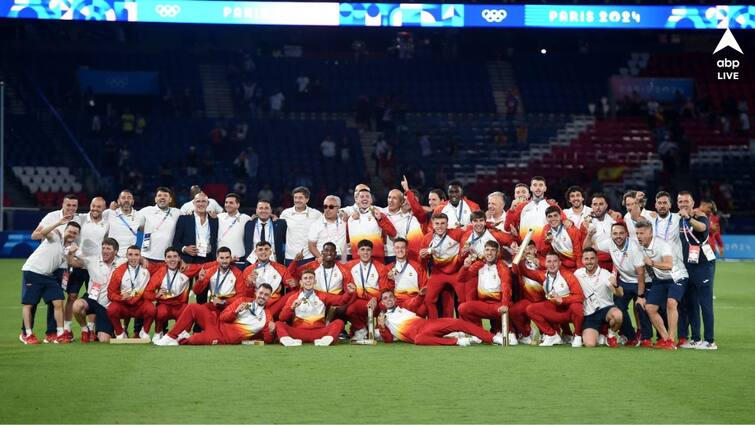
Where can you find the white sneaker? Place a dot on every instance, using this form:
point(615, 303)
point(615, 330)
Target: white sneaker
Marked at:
point(498, 339)
point(474, 340)
point(184, 335)
point(360, 334)
point(567, 339)
point(602, 340)
point(576, 342)
point(166, 341)
point(512, 339)
point(526, 340)
point(157, 337)
point(551, 340)
point(463, 342)
point(690, 344)
point(143, 335)
point(324, 341)
point(705, 345)
point(455, 335)
point(287, 341)
point(121, 336)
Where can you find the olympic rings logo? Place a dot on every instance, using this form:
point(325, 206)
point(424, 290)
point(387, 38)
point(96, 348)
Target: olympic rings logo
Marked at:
point(494, 15)
point(168, 10)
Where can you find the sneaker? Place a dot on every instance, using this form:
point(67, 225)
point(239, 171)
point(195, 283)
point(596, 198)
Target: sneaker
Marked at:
point(498, 339)
point(29, 339)
point(646, 343)
point(632, 343)
point(463, 342)
point(622, 340)
point(62, 339)
point(157, 337)
point(183, 335)
point(567, 339)
point(360, 334)
point(688, 344)
point(50, 338)
point(143, 335)
point(612, 341)
point(344, 336)
point(602, 340)
point(682, 341)
point(287, 341)
point(86, 336)
point(665, 344)
point(705, 345)
point(474, 340)
point(455, 335)
point(526, 340)
point(324, 341)
point(121, 336)
point(551, 340)
point(165, 341)
point(69, 335)
point(512, 339)
point(576, 342)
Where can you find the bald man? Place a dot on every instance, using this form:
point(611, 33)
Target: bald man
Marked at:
point(407, 226)
point(188, 208)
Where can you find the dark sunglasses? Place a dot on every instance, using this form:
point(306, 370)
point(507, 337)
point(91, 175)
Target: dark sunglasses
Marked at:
point(330, 207)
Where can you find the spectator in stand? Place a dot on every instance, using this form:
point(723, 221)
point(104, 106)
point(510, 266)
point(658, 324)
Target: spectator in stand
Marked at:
point(124, 158)
point(425, 147)
point(276, 103)
point(344, 150)
point(240, 132)
point(522, 133)
point(359, 48)
point(328, 149)
point(302, 86)
point(265, 193)
point(128, 122)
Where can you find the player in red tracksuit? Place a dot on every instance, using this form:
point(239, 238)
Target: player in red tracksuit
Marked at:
point(567, 243)
point(169, 286)
point(408, 277)
point(224, 280)
point(441, 248)
point(488, 285)
point(243, 319)
point(479, 233)
point(330, 276)
point(434, 198)
point(531, 291)
point(530, 214)
point(126, 291)
point(458, 209)
point(273, 273)
point(305, 309)
point(370, 278)
point(368, 222)
point(402, 323)
point(563, 303)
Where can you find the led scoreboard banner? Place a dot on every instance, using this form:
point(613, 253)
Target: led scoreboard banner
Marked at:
point(385, 14)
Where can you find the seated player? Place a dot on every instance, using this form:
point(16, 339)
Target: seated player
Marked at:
point(224, 280)
point(126, 291)
point(599, 287)
point(305, 310)
point(370, 278)
point(407, 275)
point(531, 291)
point(488, 284)
point(273, 273)
point(566, 242)
point(244, 319)
point(91, 311)
point(404, 324)
point(170, 287)
point(563, 301)
point(441, 249)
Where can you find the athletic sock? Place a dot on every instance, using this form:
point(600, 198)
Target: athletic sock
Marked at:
point(60, 331)
point(29, 332)
point(67, 325)
point(90, 326)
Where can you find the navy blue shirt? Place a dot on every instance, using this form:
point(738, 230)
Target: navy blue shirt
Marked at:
point(687, 240)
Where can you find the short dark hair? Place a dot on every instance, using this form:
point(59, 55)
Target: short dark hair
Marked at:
point(552, 209)
point(661, 194)
point(441, 194)
point(492, 244)
point(589, 249)
point(262, 243)
point(164, 189)
point(456, 183)
point(74, 224)
point(308, 271)
point(629, 194)
point(234, 196)
point(126, 191)
point(111, 242)
point(400, 240)
point(266, 286)
point(330, 244)
point(133, 247)
point(439, 216)
point(171, 249)
point(477, 215)
point(552, 252)
point(537, 178)
point(266, 201)
point(224, 249)
point(301, 189)
point(71, 196)
point(620, 224)
point(521, 185)
point(600, 195)
point(685, 193)
point(573, 189)
point(365, 242)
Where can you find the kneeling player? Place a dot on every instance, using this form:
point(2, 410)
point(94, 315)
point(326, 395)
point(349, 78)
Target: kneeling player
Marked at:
point(403, 324)
point(243, 319)
point(126, 292)
point(306, 309)
point(599, 287)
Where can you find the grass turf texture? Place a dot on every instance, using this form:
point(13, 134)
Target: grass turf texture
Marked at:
point(401, 383)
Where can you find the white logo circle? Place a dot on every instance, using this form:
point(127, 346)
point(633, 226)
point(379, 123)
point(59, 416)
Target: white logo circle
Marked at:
point(168, 10)
point(494, 15)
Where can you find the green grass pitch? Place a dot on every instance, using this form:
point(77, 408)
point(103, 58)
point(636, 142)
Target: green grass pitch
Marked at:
point(99, 383)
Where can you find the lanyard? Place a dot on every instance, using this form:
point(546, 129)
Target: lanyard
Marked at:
point(475, 239)
point(229, 227)
point(362, 277)
point(325, 277)
point(624, 252)
point(440, 241)
point(170, 282)
point(397, 278)
point(307, 295)
point(134, 276)
point(688, 230)
point(125, 223)
point(668, 224)
point(548, 283)
point(167, 214)
point(408, 224)
point(253, 309)
point(460, 210)
point(219, 283)
point(560, 229)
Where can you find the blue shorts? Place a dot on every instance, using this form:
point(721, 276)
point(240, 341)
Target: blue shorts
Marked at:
point(661, 290)
point(595, 320)
point(35, 286)
point(101, 321)
point(76, 280)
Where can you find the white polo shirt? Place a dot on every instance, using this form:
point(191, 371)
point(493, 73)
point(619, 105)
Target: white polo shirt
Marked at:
point(297, 230)
point(325, 231)
point(159, 228)
point(625, 259)
point(53, 217)
point(124, 227)
point(231, 232)
point(644, 214)
point(577, 218)
point(597, 288)
point(91, 235)
point(99, 277)
point(48, 256)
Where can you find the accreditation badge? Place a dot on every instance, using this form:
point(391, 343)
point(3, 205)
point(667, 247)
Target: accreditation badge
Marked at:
point(708, 252)
point(94, 290)
point(147, 242)
point(64, 279)
point(694, 254)
point(202, 249)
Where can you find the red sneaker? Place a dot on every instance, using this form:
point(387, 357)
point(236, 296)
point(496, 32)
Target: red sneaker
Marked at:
point(50, 338)
point(86, 337)
point(667, 344)
point(612, 342)
point(62, 339)
point(29, 340)
point(682, 341)
point(68, 335)
point(645, 343)
point(632, 343)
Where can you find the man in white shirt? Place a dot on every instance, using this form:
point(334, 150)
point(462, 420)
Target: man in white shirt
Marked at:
point(575, 196)
point(635, 212)
point(496, 213)
point(299, 219)
point(213, 207)
point(407, 226)
point(330, 228)
point(125, 222)
point(39, 281)
point(159, 227)
point(231, 228)
point(599, 287)
point(328, 148)
point(599, 226)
